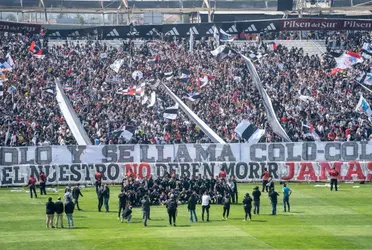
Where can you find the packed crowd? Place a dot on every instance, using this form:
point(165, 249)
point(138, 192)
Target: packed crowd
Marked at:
point(30, 115)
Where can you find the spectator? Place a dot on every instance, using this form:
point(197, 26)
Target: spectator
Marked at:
point(50, 209)
point(58, 207)
point(69, 210)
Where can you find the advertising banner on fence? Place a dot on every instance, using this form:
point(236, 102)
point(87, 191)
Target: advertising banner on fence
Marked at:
point(325, 24)
point(301, 161)
point(14, 27)
point(204, 29)
point(244, 171)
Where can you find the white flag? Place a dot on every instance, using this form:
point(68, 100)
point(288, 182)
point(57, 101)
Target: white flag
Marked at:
point(191, 40)
point(116, 65)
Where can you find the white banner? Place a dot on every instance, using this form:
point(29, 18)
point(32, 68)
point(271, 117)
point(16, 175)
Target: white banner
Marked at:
point(244, 171)
point(16, 161)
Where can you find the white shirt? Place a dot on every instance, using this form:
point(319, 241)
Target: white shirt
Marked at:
point(205, 200)
point(67, 194)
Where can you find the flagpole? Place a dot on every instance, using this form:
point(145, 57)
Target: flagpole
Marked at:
point(365, 87)
point(204, 127)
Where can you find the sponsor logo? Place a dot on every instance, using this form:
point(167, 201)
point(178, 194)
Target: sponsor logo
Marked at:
point(152, 32)
point(210, 31)
point(270, 27)
point(55, 34)
point(133, 32)
point(113, 32)
point(233, 29)
point(76, 33)
point(172, 32)
point(193, 31)
point(251, 28)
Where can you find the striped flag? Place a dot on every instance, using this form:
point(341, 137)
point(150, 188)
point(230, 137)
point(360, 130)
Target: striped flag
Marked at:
point(1, 88)
point(171, 112)
point(249, 132)
point(36, 51)
point(222, 52)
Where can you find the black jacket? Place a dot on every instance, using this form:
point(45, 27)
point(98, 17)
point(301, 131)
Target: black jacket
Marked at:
point(122, 199)
point(106, 193)
point(69, 207)
point(76, 192)
point(273, 196)
point(145, 205)
point(247, 202)
point(50, 207)
point(256, 195)
point(126, 212)
point(192, 203)
point(58, 207)
point(172, 205)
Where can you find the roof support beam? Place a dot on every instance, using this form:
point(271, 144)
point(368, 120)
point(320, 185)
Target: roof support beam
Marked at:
point(125, 2)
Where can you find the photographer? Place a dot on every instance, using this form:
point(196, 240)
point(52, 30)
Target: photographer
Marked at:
point(127, 214)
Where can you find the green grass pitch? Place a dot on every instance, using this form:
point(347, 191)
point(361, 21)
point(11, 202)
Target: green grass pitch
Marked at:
point(319, 220)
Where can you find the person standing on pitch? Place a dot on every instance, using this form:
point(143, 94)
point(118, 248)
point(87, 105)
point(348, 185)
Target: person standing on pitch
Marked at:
point(58, 207)
point(122, 202)
point(206, 199)
point(31, 184)
point(76, 192)
point(67, 194)
point(100, 198)
point(191, 206)
point(49, 213)
point(247, 204)
point(226, 207)
point(106, 197)
point(235, 190)
point(334, 174)
point(256, 200)
point(265, 180)
point(172, 209)
point(42, 181)
point(69, 210)
point(274, 200)
point(286, 193)
point(145, 209)
point(98, 177)
point(127, 214)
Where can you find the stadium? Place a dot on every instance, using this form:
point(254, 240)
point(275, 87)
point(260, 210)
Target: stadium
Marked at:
point(185, 124)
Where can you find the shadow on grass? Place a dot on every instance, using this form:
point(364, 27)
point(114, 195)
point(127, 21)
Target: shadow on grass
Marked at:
point(183, 225)
point(157, 226)
point(157, 220)
point(296, 212)
point(74, 228)
point(259, 220)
